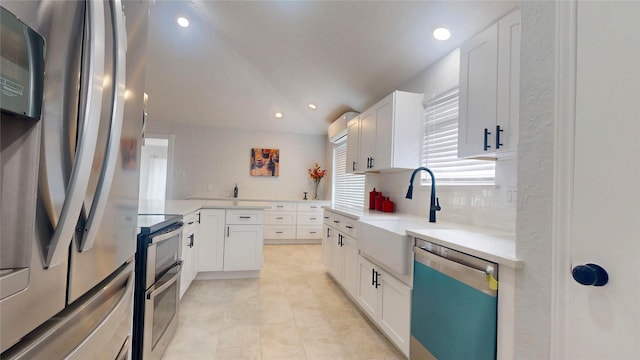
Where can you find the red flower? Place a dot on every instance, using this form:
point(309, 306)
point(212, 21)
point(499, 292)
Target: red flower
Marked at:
point(317, 173)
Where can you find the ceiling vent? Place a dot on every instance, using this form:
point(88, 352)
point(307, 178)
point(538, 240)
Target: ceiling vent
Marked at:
point(338, 128)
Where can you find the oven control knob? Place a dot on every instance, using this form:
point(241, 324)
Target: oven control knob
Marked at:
point(590, 274)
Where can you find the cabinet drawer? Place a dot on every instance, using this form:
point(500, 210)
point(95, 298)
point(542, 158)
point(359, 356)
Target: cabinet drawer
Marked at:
point(283, 206)
point(284, 218)
point(309, 232)
point(327, 218)
point(314, 206)
point(310, 218)
point(279, 232)
point(349, 227)
point(247, 217)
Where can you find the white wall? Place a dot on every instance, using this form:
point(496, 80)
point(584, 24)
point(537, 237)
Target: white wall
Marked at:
point(209, 161)
point(483, 206)
point(535, 184)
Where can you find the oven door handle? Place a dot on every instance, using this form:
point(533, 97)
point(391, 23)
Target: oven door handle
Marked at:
point(165, 236)
point(153, 293)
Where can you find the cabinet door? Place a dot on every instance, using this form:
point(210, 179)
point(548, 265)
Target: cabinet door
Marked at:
point(395, 310)
point(478, 92)
point(243, 248)
point(337, 257)
point(508, 82)
point(384, 127)
point(193, 257)
point(327, 247)
point(353, 147)
point(367, 291)
point(367, 139)
point(211, 240)
point(350, 258)
point(186, 256)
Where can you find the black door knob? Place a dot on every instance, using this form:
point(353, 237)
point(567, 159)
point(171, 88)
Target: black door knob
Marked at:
point(590, 274)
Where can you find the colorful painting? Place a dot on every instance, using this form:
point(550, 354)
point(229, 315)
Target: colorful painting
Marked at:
point(265, 162)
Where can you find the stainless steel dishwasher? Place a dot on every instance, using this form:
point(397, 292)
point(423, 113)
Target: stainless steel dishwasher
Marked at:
point(454, 305)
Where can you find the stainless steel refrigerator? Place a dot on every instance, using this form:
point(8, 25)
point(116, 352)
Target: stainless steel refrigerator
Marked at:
point(72, 88)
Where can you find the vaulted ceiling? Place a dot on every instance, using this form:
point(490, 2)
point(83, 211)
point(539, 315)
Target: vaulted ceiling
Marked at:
point(240, 62)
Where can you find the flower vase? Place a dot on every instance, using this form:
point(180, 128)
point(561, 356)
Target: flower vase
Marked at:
point(315, 189)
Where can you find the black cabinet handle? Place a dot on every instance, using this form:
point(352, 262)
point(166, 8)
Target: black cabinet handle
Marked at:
point(198, 217)
point(312, 218)
point(190, 222)
point(349, 227)
point(373, 277)
point(486, 139)
point(328, 232)
point(368, 163)
point(371, 166)
point(279, 206)
point(314, 207)
point(191, 240)
point(312, 232)
point(245, 217)
point(336, 221)
point(278, 232)
point(590, 274)
point(227, 231)
point(377, 283)
point(326, 217)
point(353, 167)
point(498, 131)
point(279, 218)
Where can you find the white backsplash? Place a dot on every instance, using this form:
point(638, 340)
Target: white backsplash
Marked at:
point(491, 207)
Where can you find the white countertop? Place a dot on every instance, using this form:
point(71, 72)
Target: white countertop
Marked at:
point(244, 200)
point(184, 207)
point(488, 244)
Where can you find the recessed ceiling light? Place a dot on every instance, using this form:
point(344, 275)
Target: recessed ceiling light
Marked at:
point(312, 106)
point(441, 34)
point(279, 115)
point(182, 21)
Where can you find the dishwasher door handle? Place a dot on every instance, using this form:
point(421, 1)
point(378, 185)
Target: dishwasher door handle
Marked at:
point(477, 279)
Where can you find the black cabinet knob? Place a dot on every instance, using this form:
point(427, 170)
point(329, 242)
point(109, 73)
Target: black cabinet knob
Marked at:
point(590, 274)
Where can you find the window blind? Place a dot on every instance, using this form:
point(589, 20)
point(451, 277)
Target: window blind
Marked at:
point(348, 189)
point(440, 146)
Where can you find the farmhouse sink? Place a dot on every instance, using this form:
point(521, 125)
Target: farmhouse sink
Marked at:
point(387, 241)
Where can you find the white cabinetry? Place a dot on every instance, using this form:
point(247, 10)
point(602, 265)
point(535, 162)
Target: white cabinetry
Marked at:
point(489, 91)
point(211, 244)
point(387, 301)
point(386, 136)
point(291, 222)
point(243, 243)
point(280, 221)
point(340, 251)
point(190, 248)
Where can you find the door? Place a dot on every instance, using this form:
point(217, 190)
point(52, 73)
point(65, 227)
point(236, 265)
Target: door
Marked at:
point(602, 223)
point(211, 240)
point(395, 310)
point(367, 289)
point(478, 92)
point(367, 140)
point(243, 248)
point(350, 276)
point(353, 146)
point(337, 256)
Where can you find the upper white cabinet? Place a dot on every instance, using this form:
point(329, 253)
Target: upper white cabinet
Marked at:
point(386, 136)
point(489, 91)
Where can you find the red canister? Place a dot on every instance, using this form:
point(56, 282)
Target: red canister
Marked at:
point(388, 205)
point(379, 200)
point(372, 199)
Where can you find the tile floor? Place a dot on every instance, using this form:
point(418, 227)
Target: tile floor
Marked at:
point(294, 311)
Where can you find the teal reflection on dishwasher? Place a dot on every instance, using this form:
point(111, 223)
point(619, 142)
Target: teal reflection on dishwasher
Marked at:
point(451, 319)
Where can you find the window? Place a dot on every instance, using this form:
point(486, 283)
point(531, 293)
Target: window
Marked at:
point(440, 146)
point(348, 189)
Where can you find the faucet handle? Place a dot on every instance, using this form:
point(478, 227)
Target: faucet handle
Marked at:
point(437, 207)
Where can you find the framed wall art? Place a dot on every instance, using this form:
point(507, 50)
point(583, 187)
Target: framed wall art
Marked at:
point(265, 162)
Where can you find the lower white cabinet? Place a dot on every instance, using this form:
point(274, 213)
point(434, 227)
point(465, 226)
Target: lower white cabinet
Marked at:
point(212, 236)
point(387, 301)
point(243, 246)
point(340, 256)
point(190, 245)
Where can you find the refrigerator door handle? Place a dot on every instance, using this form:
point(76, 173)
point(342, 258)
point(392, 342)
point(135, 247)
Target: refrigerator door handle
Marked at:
point(113, 142)
point(56, 252)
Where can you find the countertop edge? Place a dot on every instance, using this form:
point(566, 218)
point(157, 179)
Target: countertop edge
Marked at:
point(497, 258)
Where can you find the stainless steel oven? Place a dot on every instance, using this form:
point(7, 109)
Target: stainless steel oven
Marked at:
point(158, 285)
